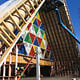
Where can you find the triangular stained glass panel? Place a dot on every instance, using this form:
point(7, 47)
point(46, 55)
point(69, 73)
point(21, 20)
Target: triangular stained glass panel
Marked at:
point(22, 50)
point(28, 39)
point(42, 45)
point(31, 30)
point(44, 37)
point(35, 28)
point(24, 34)
point(38, 16)
point(48, 48)
point(29, 25)
point(35, 22)
point(34, 48)
point(36, 42)
point(32, 53)
point(39, 34)
point(39, 40)
point(33, 19)
point(42, 32)
point(28, 47)
point(39, 22)
point(32, 37)
point(41, 27)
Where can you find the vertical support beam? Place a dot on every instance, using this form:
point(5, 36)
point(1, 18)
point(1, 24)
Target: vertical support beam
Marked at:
point(10, 67)
point(37, 64)
point(4, 70)
point(16, 64)
point(0, 57)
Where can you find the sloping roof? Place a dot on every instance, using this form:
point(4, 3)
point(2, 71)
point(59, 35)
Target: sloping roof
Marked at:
point(63, 46)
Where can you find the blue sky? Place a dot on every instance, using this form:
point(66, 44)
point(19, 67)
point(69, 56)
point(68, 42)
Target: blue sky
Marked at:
point(2, 1)
point(74, 10)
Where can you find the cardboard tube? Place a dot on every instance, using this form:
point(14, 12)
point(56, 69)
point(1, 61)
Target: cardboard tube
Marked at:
point(10, 25)
point(22, 12)
point(16, 18)
point(28, 6)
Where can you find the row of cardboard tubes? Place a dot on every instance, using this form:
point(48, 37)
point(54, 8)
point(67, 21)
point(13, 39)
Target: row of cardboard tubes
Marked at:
point(30, 4)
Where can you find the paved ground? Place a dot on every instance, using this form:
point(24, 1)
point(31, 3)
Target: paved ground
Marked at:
point(47, 78)
point(57, 78)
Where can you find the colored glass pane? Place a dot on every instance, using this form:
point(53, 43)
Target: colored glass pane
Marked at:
point(41, 27)
point(42, 33)
point(32, 53)
point(36, 42)
point(35, 22)
point(39, 22)
point(42, 45)
point(34, 47)
point(39, 40)
point(44, 37)
point(32, 37)
point(35, 28)
point(28, 39)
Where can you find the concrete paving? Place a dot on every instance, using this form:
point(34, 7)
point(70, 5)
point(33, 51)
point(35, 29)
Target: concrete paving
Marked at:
point(47, 78)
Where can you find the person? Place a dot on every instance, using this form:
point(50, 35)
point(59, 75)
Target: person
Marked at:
point(52, 73)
